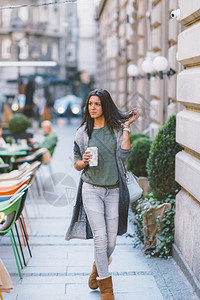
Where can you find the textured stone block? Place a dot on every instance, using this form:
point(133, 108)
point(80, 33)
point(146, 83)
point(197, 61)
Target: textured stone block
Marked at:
point(121, 85)
point(140, 86)
point(157, 38)
point(130, 86)
point(173, 4)
point(155, 88)
point(188, 47)
point(172, 109)
point(187, 173)
point(112, 75)
point(153, 130)
point(122, 71)
point(140, 122)
point(142, 8)
point(156, 16)
point(141, 28)
point(173, 63)
point(172, 87)
point(122, 30)
point(141, 47)
point(188, 87)
point(139, 63)
point(173, 30)
point(188, 129)
point(113, 64)
point(156, 110)
point(187, 233)
point(154, 2)
point(190, 11)
point(130, 52)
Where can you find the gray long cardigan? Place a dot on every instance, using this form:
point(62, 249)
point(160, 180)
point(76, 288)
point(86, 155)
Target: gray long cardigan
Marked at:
point(79, 226)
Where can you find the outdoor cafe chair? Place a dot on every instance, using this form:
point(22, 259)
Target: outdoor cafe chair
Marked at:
point(10, 183)
point(37, 155)
point(11, 190)
point(43, 155)
point(21, 219)
point(20, 173)
point(11, 175)
point(10, 211)
point(22, 223)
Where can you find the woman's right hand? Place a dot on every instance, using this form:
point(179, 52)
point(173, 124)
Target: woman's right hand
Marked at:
point(87, 156)
point(81, 164)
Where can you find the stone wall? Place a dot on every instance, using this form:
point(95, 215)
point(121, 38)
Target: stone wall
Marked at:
point(187, 233)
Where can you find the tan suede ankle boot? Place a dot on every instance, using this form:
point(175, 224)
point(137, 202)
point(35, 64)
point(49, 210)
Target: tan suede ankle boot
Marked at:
point(92, 282)
point(106, 288)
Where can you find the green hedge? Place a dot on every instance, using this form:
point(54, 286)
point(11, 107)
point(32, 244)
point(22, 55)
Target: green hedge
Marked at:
point(161, 175)
point(135, 136)
point(136, 162)
point(161, 161)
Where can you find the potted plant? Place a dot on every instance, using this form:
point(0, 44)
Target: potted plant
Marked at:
point(18, 125)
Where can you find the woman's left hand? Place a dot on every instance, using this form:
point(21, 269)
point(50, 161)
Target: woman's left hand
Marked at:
point(132, 119)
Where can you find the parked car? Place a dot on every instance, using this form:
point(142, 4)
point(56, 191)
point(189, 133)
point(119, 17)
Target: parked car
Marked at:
point(68, 105)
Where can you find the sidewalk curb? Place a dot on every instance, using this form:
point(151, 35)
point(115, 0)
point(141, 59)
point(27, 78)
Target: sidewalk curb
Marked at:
point(186, 270)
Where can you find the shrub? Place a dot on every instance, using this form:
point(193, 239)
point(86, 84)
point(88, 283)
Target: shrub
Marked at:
point(166, 229)
point(136, 162)
point(18, 123)
point(161, 161)
point(135, 136)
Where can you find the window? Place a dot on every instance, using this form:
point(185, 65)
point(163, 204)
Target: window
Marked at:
point(44, 48)
point(23, 49)
point(6, 17)
point(71, 53)
point(23, 14)
point(6, 48)
point(43, 12)
point(54, 51)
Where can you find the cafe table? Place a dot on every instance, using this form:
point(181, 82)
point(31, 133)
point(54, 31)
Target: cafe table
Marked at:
point(9, 154)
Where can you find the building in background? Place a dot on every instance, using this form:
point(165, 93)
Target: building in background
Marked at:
point(87, 45)
point(149, 60)
point(45, 33)
point(87, 36)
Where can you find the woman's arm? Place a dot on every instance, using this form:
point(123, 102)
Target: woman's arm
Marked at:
point(126, 144)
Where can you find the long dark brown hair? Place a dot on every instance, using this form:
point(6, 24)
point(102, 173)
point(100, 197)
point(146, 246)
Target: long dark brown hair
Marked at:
point(113, 116)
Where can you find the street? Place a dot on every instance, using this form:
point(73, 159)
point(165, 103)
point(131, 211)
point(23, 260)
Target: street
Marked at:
point(59, 269)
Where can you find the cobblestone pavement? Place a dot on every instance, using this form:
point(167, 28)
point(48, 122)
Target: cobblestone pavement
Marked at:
point(58, 269)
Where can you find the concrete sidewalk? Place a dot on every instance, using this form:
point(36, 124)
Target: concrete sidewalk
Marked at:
point(59, 270)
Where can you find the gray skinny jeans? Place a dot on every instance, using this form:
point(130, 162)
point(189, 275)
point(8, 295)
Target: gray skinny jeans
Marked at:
point(102, 209)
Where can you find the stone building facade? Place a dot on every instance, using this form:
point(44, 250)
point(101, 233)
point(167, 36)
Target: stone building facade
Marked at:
point(130, 31)
point(187, 221)
point(134, 31)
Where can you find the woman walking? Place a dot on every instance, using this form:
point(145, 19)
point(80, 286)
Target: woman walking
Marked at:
point(102, 203)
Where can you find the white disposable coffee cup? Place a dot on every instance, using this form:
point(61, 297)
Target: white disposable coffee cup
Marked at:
point(94, 161)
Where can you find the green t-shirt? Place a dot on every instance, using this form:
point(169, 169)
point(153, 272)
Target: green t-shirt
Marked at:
point(106, 173)
point(49, 142)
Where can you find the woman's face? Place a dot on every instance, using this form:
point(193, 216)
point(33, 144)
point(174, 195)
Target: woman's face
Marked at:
point(94, 107)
